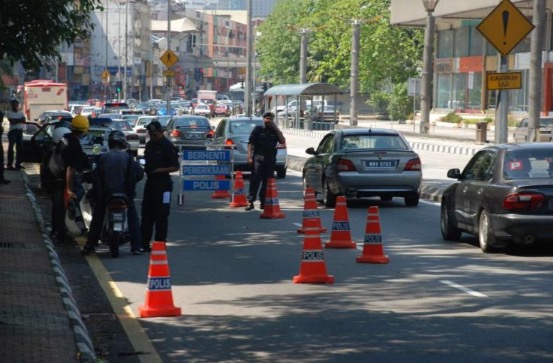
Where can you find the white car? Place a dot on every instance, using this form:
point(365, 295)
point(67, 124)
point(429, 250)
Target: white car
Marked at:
point(139, 127)
point(202, 109)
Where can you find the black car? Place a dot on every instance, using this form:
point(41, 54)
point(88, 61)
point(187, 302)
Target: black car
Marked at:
point(190, 132)
point(504, 195)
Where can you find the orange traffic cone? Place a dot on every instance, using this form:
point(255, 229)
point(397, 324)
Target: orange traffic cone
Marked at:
point(313, 265)
point(340, 237)
point(220, 193)
point(159, 299)
point(372, 243)
point(272, 208)
point(311, 215)
point(239, 199)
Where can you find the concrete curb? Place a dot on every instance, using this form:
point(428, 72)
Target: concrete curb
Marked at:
point(85, 348)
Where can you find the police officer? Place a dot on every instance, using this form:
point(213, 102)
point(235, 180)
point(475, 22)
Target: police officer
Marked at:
point(161, 159)
point(262, 152)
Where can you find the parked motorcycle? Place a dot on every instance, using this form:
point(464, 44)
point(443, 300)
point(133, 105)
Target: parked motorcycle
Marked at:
point(115, 229)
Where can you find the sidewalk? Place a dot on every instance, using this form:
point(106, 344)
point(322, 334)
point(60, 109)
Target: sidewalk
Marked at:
point(39, 319)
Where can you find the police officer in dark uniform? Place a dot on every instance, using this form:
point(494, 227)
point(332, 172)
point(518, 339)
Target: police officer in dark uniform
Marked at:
point(262, 152)
point(161, 159)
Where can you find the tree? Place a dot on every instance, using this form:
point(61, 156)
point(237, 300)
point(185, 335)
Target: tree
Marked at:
point(32, 30)
point(388, 54)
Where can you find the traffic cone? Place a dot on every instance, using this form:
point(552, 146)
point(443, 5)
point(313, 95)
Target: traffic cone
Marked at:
point(311, 215)
point(272, 208)
point(219, 194)
point(340, 237)
point(372, 243)
point(239, 199)
point(159, 299)
point(313, 265)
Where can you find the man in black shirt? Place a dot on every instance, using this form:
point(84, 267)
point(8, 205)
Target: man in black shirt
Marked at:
point(161, 159)
point(262, 152)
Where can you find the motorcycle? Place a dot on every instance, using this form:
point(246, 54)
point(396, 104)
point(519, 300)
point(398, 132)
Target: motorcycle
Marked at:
point(115, 229)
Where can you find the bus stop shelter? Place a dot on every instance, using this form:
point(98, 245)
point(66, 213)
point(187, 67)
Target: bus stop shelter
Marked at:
point(310, 106)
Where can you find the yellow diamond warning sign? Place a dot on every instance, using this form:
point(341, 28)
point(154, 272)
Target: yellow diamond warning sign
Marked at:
point(169, 58)
point(505, 27)
point(506, 80)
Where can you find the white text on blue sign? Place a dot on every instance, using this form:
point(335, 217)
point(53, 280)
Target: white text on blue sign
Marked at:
point(220, 155)
point(206, 184)
point(193, 170)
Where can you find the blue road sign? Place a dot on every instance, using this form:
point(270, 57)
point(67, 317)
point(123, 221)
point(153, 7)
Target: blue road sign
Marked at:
point(206, 185)
point(196, 170)
point(209, 155)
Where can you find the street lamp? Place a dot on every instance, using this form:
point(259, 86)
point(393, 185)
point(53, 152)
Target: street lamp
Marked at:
point(427, 72)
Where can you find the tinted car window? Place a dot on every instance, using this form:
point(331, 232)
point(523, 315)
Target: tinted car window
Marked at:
point(243, 127)
point(122, 125)
point(528, 164)
point(189, 122)
point(481, 167)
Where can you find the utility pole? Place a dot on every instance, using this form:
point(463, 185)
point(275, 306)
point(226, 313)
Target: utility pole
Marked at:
point(536, 49)
point(303, 55)
point(354, 87)
point(248, 83)
point(126, 50)
point(169, 84)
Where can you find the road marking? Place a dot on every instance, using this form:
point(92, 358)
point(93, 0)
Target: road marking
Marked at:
point(462, 288)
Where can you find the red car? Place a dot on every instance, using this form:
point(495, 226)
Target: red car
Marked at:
point(222, 110)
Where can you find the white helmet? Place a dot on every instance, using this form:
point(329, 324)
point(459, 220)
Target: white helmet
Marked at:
point(58, 133)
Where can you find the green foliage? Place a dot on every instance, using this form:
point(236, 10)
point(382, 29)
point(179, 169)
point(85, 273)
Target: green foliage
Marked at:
point(380, 100)
point(32, 30)
point(388, 54)
point(400, 103)
point(452, 117)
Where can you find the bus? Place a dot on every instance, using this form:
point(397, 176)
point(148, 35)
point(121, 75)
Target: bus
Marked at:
point(43, 95)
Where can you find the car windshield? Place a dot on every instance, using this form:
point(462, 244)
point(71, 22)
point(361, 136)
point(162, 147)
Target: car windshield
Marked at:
point(243, 127)
point(373, 141)
point(528, 164)
point(546, 122)
point(191, 122)
point(164, 120)
point(143, 121)
point(121, 125)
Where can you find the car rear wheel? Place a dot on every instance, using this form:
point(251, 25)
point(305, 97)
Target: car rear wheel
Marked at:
point(486, 238)
point(412, 200)
point(449, 231)
point(329, 198)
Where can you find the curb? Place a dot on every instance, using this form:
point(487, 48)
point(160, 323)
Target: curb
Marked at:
point(85, 348)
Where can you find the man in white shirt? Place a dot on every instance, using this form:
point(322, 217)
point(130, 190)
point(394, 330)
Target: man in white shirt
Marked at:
point(15, 135)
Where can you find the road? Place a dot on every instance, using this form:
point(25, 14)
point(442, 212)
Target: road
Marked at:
point(434, 301)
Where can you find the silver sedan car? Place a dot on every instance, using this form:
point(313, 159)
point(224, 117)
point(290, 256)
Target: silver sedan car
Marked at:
point(235, 132)
point(362, 162)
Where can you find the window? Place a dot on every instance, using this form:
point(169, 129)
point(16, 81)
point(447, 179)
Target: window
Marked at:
point(481, 167)
point(445, 44)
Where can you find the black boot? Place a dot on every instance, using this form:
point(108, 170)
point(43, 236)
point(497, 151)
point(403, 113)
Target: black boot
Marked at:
point(250, 206)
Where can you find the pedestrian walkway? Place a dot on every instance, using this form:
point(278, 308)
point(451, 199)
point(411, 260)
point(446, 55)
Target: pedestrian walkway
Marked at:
point(39, 319)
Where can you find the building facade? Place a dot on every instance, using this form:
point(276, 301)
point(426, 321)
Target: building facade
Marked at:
point(463, 56)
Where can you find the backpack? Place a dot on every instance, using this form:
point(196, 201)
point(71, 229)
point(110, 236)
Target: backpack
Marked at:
point(56, 164)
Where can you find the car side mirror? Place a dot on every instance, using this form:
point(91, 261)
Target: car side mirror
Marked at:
point(454, 173)
point(310, 151)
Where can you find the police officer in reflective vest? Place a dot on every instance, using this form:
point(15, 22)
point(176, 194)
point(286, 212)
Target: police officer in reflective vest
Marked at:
point(161, 159)
point(262, 152)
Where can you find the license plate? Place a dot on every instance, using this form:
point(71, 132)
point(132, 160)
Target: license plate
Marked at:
point(117, 217)
point(380, 164)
